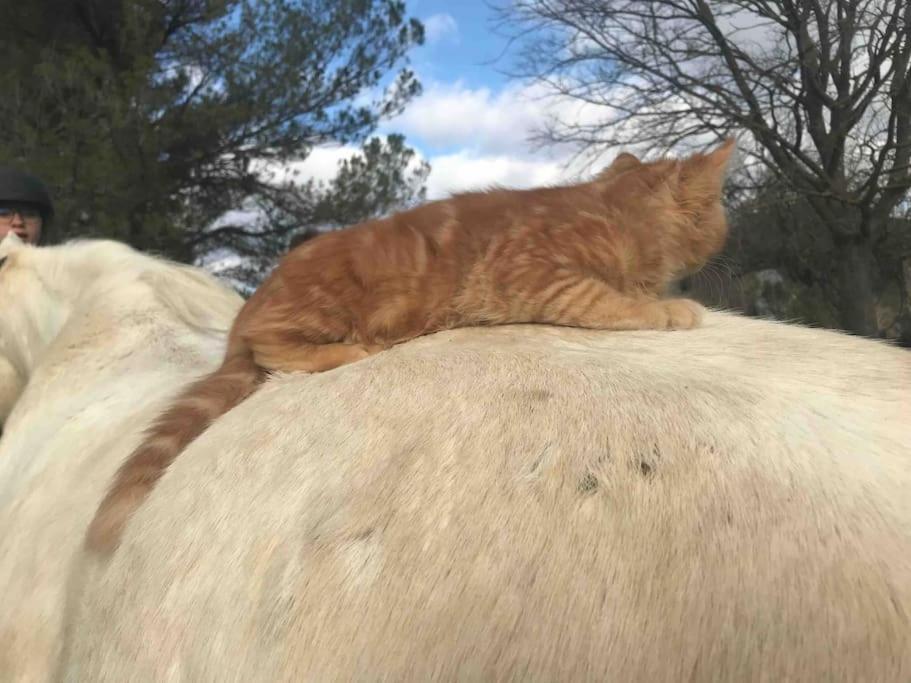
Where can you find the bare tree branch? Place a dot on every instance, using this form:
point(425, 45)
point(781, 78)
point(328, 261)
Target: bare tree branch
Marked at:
point(822, 87)
point(802, 76)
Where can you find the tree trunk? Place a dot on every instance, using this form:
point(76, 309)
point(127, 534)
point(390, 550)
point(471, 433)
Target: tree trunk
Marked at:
point(856, 271)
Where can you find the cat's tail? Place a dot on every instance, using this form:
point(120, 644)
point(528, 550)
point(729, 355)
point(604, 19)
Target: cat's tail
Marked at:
point(188, 417)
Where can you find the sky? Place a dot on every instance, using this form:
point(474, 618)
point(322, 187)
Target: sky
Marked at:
point(472, 122)
point(460, 43)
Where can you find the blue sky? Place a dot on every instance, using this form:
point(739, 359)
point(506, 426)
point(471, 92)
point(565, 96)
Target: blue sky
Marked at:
point(472, 122)
point(461, 43)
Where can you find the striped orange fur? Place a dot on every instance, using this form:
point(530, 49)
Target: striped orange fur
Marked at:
point(597, 255)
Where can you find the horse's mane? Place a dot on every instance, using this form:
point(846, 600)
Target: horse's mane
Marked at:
point(195, 297)
point(95, 273)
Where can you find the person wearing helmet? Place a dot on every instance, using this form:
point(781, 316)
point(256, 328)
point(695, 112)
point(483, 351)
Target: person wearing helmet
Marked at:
point(25, 205)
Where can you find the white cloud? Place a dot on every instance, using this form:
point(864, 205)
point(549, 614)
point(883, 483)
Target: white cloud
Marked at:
point(448, 117)
point(453, 115)
point(474, 138)
point(459, 171)
point(463, 171)
point(321, 164)
point(440, 27)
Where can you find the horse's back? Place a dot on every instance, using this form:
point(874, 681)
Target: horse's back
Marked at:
point(728, 503)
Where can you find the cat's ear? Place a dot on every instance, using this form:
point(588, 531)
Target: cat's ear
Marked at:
point(622, 163)
point(713, 165)
point(625, 161)
point(704, 174)
point(719, 159)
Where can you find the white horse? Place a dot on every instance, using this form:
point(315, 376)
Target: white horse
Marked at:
point(729, 503)
point(94, 339)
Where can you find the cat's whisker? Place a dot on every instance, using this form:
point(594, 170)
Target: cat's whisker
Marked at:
point(738, 289)
point(713, 282)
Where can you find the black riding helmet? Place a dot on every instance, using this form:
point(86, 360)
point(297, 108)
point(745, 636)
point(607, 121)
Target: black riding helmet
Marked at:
point(23, 188)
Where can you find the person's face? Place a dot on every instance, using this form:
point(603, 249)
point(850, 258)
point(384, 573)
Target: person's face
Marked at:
point(22, 219)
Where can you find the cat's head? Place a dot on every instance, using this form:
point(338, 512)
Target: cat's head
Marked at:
point(684, 195)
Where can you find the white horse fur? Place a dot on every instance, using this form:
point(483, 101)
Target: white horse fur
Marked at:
point(730, 503)
point(94, 339)
point(524, 502)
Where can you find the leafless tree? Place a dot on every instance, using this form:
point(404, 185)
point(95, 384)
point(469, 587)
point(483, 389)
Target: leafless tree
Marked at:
point(822, 87)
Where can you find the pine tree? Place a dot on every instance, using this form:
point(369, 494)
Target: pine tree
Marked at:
point(150, 119)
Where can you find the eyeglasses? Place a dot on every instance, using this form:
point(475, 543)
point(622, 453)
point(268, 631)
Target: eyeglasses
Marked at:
point(26, 213)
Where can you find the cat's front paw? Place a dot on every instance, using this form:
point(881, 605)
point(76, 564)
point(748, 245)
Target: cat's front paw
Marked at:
point(677, 314)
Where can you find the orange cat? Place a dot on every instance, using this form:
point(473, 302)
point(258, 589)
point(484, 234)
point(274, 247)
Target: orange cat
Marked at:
point(596, 255)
